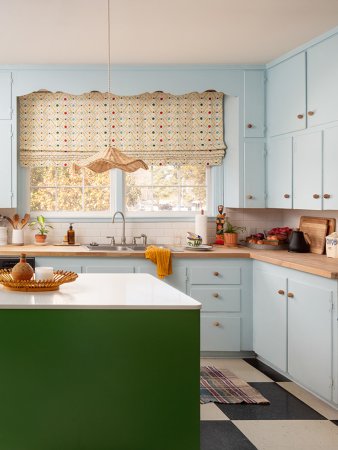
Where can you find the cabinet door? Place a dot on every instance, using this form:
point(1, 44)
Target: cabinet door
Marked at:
point(110, 269)
point(220, 333)
point(322, 83)
point(5, 95)
point(330, 164)
point(279, 173)
point(307, 171)
point(254, 175)
point(254, 103)
point(286, 96)
point(6, 164)
point(269, 317)
point(310, 336)
point(178, 279)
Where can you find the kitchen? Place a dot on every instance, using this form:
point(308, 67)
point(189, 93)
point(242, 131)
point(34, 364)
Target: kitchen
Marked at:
point(266, 180)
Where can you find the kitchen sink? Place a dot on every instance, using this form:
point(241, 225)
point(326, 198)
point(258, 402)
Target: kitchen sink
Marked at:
point(111, 248)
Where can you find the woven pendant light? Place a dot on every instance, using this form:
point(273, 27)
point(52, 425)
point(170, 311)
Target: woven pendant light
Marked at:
point(110, 158)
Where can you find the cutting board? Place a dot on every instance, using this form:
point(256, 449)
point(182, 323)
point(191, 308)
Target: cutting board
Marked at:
point(317, 228)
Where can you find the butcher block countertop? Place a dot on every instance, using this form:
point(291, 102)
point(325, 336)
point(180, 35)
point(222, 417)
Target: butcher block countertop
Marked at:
point(304, 262)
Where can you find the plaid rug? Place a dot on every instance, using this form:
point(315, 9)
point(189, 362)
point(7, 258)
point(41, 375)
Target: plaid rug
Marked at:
point(224, 387)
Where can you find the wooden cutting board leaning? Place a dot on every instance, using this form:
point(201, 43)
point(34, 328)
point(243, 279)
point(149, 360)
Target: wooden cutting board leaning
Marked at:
point(317, 228)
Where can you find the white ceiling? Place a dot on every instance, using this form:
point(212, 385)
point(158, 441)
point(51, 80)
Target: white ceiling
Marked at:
point(159, 31)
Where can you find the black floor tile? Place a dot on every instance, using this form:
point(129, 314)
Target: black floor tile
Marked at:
point(271, 373)
point(223, 435)
point(283, 406)
point(335, 422)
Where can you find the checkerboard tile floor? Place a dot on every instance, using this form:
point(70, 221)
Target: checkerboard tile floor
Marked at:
point(294, 419)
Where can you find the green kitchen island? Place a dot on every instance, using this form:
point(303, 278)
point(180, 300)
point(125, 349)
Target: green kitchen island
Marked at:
point(109, 362)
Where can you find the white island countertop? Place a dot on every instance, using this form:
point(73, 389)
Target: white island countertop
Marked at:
point(103, 291)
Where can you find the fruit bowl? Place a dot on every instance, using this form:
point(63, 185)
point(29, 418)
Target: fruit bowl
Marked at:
point(60, 277)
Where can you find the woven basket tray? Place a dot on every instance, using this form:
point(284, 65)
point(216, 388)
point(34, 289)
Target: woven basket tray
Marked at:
point(60, 277)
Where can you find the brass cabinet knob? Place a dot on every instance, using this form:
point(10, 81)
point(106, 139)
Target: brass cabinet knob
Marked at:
point(216, 324)
point(326, 195)
point(286, 195)
point(249, 197)
point(290, 295)
point(310, 113)
point(215, 294)
point(316, 196)
point(216, 274)
point(250, 125)
point(281, 292)
point(300, 116)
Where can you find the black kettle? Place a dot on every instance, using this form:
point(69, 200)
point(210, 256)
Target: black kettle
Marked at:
point(299, 242)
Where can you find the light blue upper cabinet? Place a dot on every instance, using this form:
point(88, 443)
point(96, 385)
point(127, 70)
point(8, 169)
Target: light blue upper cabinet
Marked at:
point(254, 176)
point(5, 95)
point(279, 172)
point(254, 110)
point(307, 171)
point(322, 82)
point(286, 96)
point(6, 164)
point(330, 185)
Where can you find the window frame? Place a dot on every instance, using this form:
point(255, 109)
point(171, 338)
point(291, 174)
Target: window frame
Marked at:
point(215, 196)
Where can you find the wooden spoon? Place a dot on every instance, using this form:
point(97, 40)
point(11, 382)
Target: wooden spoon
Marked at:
point(16, 219)
point(24, 221)
point(9, 220)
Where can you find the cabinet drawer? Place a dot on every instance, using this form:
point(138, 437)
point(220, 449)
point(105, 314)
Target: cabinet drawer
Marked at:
point(215, 275)
point(220, 333)
point(218, 298)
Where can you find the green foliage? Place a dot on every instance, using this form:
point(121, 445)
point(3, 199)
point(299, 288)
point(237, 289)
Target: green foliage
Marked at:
point(40, 225)
point(166, 188)
point(59, 189)
point(229, 228)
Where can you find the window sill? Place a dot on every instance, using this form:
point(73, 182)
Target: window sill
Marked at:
point(129, 219)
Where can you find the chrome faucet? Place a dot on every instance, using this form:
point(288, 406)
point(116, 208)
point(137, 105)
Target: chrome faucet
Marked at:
point(123, 240)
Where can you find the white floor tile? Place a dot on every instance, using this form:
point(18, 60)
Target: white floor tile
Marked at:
point(312, 401)
point(209, 411)
point(237, 366)
point(290, 434)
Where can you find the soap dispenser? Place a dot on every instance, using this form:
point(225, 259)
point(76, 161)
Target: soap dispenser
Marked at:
point(71, 235)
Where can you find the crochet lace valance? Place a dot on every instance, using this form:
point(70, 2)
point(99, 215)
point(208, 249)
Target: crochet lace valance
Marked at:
point(159, 128)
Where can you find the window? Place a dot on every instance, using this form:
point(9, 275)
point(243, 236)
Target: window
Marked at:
point(167, 188)
point(59, 189)
point(159, 191)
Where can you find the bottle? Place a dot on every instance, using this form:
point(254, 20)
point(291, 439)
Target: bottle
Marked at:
point(71, 235)
point(22, 270)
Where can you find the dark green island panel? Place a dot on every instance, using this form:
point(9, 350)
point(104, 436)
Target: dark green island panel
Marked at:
point(99, 379)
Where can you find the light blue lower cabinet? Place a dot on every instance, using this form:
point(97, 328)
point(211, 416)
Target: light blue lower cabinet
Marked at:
point(295, 326)
point(224, 287)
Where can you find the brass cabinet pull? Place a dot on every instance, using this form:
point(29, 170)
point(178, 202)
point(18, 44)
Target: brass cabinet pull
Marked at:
point(326, 195)
point(316, 196)
point(300, 116)
point(216, 274)
point(250, 125)
point(290, 295)
point(281, 292)
point(249, 197)
point(286, 195)
point(216, 324)
point(215, 294)
point(310, 113)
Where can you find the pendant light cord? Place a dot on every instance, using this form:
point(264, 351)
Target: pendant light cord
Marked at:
point(108, 34)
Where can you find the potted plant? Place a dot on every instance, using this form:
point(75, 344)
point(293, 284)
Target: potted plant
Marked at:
point(231, 234)
point(40, 225)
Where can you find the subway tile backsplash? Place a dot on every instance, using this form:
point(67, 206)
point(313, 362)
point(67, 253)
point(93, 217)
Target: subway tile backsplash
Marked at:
point(254, 220)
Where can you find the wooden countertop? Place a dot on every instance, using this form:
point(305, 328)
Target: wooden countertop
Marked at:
point(304, 262)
